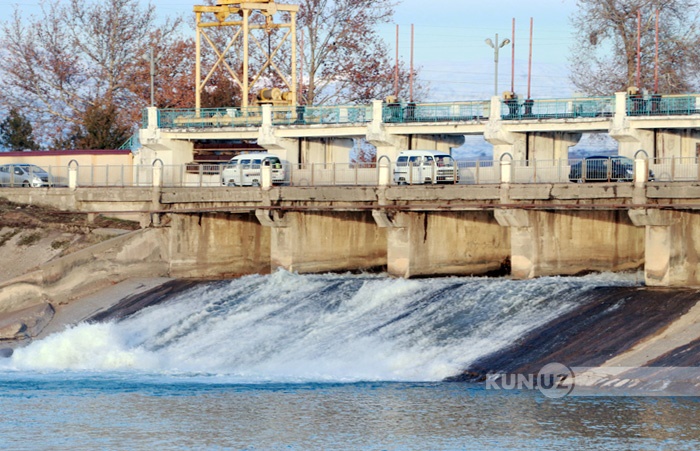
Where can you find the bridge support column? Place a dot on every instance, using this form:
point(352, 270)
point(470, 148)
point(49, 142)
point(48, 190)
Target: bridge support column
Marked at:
point(629, 139)
point(326, 150)
point(218, 245)
point(442, 143)
point(315, 242)
point(444, 243)
point(547, 243)
point(550, 145)
point(672, 248)
point(386, 144)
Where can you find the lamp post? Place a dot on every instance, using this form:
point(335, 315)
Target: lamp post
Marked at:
point(495, 45)
point(150, 57)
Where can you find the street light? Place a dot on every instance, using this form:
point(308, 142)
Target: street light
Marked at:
point(495, 48)
point(150, 56)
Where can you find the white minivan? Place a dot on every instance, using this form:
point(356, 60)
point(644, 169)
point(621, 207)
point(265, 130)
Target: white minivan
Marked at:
point(245, 170)
point(425, 166)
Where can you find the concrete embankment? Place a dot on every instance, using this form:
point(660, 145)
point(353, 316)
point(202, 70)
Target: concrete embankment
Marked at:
point(28, 303)
point(612, 328)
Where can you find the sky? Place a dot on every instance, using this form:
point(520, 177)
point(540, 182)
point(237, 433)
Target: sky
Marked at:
point(449, 47)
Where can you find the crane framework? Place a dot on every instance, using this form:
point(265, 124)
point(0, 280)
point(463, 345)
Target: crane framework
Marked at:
point(237, 16)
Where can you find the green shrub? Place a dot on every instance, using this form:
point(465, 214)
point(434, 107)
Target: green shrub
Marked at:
point(59, 244)
point(28, 240)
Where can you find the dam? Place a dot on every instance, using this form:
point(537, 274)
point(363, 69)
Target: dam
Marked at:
point(521, 230)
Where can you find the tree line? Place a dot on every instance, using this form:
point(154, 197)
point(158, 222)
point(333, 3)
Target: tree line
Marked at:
point(77, 75)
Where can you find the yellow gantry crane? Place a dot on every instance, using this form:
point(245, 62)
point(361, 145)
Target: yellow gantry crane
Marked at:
point(237, 15)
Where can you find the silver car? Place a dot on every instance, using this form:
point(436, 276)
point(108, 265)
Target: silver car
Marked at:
point(24, 175)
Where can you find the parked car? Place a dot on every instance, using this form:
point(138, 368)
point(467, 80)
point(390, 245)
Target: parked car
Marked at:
point(245, 170)
point(600, 168)
point(424, 166)
point(24, 175)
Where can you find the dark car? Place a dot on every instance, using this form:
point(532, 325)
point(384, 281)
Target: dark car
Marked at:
point(604, 169)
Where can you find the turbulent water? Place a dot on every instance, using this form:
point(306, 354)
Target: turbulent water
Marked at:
point(322, 362)
point(330, 328)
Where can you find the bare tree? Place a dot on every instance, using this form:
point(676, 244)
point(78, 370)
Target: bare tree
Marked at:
point(604, 57)
point(345, 58)
point(76, 56)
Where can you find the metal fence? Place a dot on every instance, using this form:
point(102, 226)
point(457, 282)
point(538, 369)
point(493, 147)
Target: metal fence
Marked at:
point(592, 107)
point(675, 169)
point(435, 112)
point(658, 105)
point(412, 112)
point(465, 172)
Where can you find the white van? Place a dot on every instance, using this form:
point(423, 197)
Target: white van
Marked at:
point(425, 166)
point(245, 169)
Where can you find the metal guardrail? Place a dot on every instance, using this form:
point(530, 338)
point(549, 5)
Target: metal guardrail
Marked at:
point(658, 105)
point(305, 115)
point(210, 117)
point(435, 112)
point(589, 107)
point(411, 112)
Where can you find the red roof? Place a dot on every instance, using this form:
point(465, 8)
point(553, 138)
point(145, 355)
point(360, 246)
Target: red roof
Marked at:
point(37, 153)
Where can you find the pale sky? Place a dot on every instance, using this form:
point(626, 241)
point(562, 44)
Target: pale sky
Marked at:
point(449, 42)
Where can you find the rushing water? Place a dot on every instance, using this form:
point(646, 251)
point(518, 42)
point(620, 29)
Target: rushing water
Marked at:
point(318, 362)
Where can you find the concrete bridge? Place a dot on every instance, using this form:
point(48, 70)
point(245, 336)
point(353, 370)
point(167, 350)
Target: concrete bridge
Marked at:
point(543, 129)
point(522, 218)
point(526, 231)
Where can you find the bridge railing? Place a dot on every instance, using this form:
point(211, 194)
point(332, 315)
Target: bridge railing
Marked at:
point(592, 107)
point(675, 169)
point(663, 105)
point(411, 112)
point(210, 117)
point(542, 171)
point(468, 172)
point(107, 175)
point(310, 115)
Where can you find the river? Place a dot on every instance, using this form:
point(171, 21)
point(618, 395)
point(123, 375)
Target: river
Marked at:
point(288, 361)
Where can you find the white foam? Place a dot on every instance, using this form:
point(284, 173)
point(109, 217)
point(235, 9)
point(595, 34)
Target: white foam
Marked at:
point(288, 327)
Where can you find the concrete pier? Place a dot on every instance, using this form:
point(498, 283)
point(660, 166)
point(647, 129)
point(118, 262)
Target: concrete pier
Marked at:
point(538, 229)
point(444, 243)
point(218, 245)
point(323, 241)
point(545, 243)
